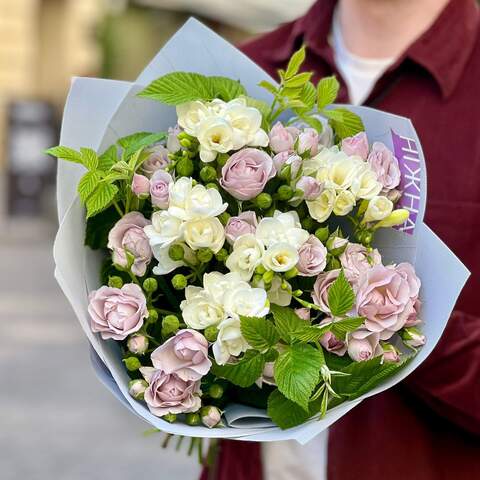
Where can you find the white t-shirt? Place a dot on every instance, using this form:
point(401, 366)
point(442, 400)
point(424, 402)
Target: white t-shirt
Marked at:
point(290, 460)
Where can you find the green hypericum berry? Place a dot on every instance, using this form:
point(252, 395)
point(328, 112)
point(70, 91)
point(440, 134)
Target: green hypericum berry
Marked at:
point(179, 281)
point(184, 167)
point(333, 263)
point(215, 391)
point(204, 255)
point(221, 255)
point(170, 324)
point(308, 223)
point(208, 174)
point(293, 272)
point(212, 185)
point(256, 279)
point(152, 315)
point(268, 276)
point(150, 285)
point(176, 252)
point(322, 233)
point(115, 282)
point(224, 218)
point(263, 201)
point(211, 333)
point(222, 159)
point(260, 269)
point(285, 192)
point(132, 363)
point(170, 418)
point(192, 419)
point(185, 142)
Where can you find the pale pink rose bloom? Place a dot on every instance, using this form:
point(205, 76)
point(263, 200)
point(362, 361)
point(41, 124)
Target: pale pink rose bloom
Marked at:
point(320, 289)
point(246, 173)
point(117, 312)
point(168, 393)
point(310, 187)
point(386, 297)
point(185, 354)
point(156, 160)
point(303, 313)
point(384, 163)
point(356, 145)
point(312, 257)
point(280, 159)
point(159, 188)
point(282, 138)
point(413, 319)
point(331, 343)
point(242, 224)
point(308, 141)
point(140, 185)
point(363, 345)
point(356, 259)
point(127, 234)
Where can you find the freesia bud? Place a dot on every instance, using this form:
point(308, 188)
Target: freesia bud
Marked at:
point(211, 416)
point(397, 217)
point(379, 208)
point(137, 344)
point(136, 388)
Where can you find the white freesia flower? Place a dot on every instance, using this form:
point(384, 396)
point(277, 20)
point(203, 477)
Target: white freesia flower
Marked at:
point(324, 158)
point(322, 207)
point(378, 208)
point(216, 284)
point(340, 174)
point(164, 230)
point(366, 184)
point(280, 257)
point(215, 135)
point(204, 233)
point(165, 263)
point(230, 341)
point(277, 295)
point(178, 193)
point(191, 114)
point(203, 202)
point(246, 256)
point(282, 227)
point(199, 311)
point(244, 300)
point(344, 203)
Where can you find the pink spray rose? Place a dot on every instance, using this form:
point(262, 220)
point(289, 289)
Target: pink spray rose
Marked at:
point(363, 345)
point(356, 259)
point(308, 141)
point(128, 234)
point(320, 289)
point(185, 354)
point(331, 343)
point(386, 297)
point(356, 145)
point(159, 188)
point(282, 138)
point(157, 160)
point(117, 312)
point(246, 172)
point(140, 185)
point(385, 165)
point(168, 393)
point(244, 223)
point(310, 187)
point(280, 159)
point(312, 257)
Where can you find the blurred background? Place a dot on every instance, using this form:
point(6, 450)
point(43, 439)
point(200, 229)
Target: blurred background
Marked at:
point(56, 420)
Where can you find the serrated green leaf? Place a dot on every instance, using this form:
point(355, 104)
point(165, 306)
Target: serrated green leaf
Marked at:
point(346, 325)
point(344, 122)
point(327, 91)
point(226, 88)
point(88, 184)
point(133, 139)
point(145, 142)
point(245, 372)
point(340, 296)
point(268, 86)
point(89, 158)
point(311, 333)
point(101, 198)
point(296, 372)
point(65, 153)
point(292, 93)
point(287, 322)
point(108, 158)
point(308, 95)
point(260, 333)
point(298, 80)
point(295, 63)
point(296, 104)
point(312, 121)
point(284, 412)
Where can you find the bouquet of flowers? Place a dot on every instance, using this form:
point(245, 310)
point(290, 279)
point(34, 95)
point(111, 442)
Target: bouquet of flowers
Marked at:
point(238, 255)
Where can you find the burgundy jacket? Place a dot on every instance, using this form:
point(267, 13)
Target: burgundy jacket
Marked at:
point(428, 427)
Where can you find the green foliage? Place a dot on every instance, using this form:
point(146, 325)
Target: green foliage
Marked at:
point(286, 321)
point(295, 63)
point(100, 198)
point(340, 328)
point(340, 296)
point(327, 91)
point(284, 412)
point(260, 333)
point(108, 158)
point(344, 122)
point(245, 372)
point(137, 141)
point(297, 372)
point(65, 153)
point(89, 158)
point(311, 333)
point(88, 184)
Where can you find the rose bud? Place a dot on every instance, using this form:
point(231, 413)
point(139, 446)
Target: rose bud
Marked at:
point(363, 345)
point(136, 388)
point(211, 416)
point(390, 353)
point(310, 187)
point(303, 313)
point(140, 185)
point(137, 344)
point(412, 337)
point(132, 363)
point(356, 145)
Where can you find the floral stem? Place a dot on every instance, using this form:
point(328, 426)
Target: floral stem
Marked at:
point(117, 208)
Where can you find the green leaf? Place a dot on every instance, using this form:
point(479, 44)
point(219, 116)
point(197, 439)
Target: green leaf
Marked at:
point(268, 86)
point(108, 158)
point(88, 184)
point(327, 91)
point(308, 95)
point(340, 296)
point(295, 63)
point(284, 412)
point(98, 227)
point(260, 333)
point(313, 122)
point(287, 322)
point(299, 80)
point(311, 333)
point(297, 372)
point(344, 122)
point(101, 198)
point(245, 372)
point(65, 153)
point(341, 327)
point(89, 158)
point(226, 88)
